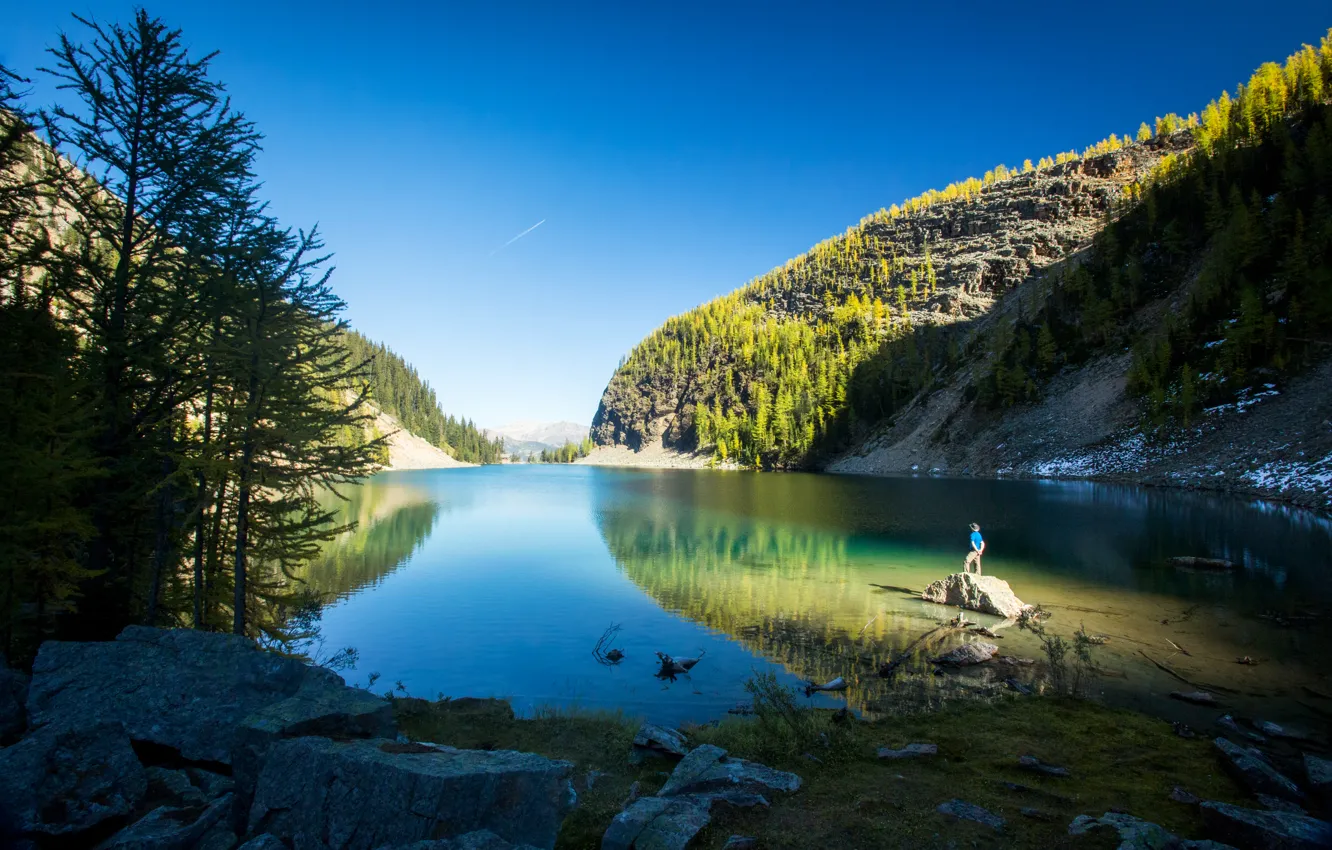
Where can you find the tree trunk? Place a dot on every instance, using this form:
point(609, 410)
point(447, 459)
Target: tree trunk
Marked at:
point(242, 534)
point(213, 560)
point(201, 516)
point(162, 545)
point(243, 498)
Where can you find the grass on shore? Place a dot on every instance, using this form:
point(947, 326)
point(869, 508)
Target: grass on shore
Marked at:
point(1119, 760)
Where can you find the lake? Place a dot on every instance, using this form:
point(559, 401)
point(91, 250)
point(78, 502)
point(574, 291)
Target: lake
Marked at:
point(498, 581)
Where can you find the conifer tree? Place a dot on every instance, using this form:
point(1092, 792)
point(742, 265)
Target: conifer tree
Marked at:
point(146, 152)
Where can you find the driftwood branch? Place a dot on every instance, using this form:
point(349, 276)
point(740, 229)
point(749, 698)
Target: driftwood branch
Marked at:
point(603, 651)
point(1195, 685)
point(887, 670)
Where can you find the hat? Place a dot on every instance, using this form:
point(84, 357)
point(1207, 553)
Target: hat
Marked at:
point(975, 527)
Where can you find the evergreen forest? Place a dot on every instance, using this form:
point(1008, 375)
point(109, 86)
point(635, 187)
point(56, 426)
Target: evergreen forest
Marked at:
point(567, 453)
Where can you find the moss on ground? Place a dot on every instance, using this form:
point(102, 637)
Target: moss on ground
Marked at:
point(1119, 760)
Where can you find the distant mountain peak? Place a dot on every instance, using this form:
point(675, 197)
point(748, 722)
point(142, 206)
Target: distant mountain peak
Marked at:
point(549, 433)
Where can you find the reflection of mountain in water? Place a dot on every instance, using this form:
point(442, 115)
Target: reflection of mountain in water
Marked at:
point(390, 525)
point(767, 586)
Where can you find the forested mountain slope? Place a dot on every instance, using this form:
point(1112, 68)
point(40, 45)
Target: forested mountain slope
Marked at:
point(396, 389)
point(976, 309)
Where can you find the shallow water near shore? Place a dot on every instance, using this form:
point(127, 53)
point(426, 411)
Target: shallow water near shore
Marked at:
point(498, 581)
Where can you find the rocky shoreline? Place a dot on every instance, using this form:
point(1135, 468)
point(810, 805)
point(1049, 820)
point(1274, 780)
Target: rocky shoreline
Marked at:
point(180, 739)
point(176, 739)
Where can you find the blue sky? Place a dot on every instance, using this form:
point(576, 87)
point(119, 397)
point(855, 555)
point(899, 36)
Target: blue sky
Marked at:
point(673, 150)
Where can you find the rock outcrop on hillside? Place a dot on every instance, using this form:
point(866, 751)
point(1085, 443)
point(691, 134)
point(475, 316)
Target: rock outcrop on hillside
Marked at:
point(1002, 239)
point(179, 738)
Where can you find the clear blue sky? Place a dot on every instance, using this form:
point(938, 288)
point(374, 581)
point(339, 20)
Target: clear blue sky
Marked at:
point(674, 150)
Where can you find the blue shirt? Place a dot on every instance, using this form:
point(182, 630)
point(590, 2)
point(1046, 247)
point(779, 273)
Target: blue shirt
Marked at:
point(976, 540)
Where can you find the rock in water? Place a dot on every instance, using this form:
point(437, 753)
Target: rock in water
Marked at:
point(364, 794)
point(968, 653)
point(1253, 771)
point(986, 594)
point(191, 691)
point(60, 781)
point(1254, 828)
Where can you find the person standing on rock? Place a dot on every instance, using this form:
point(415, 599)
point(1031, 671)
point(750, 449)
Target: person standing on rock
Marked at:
point(977, 549)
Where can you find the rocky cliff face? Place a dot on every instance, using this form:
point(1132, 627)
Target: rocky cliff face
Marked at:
point(964, 255)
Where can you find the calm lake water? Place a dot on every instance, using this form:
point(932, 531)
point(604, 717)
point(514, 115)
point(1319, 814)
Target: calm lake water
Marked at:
point(498, 581)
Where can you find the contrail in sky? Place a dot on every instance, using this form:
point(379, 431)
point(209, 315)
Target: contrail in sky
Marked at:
point(516, 238)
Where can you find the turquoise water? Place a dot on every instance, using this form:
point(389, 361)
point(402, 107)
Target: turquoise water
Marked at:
point(498, 581)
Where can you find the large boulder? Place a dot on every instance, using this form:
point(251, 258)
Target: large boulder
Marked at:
point(167, 828)
point(1251, 768)
point(13, 694)
point(188, 690)
point(315, 709)
point(363, 794)
point(1256, 828)
point(60, 781)
point(986, 594)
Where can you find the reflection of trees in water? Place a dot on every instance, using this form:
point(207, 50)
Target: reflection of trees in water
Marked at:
point(391, 523)
point(787, 594)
